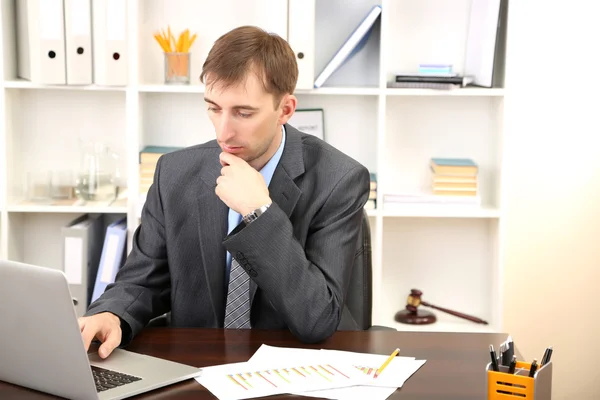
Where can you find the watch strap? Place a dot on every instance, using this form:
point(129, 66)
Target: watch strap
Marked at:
point(254, 214)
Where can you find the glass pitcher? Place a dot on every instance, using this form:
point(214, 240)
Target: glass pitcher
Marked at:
point(98, 173)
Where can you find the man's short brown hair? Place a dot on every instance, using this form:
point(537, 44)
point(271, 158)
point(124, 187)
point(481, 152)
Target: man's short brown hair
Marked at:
point(249, 48)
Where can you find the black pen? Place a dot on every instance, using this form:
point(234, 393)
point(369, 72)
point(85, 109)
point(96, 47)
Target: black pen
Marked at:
point(511, 347)
point(547, 355)
point(505, 355)
point(513, 365)
point(533, 368)
point(494, 360)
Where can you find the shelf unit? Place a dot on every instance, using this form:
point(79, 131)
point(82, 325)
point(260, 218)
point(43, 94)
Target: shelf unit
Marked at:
point(452, 253)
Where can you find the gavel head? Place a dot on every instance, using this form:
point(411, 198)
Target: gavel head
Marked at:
point(414, 300)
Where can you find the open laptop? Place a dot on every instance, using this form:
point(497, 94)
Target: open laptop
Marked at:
point(41, 345)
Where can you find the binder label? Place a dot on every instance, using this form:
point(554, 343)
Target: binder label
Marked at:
point(73, 259)
point(115, 20)
point(80, 18)
point(51, 18)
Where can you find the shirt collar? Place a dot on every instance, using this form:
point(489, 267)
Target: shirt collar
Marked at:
point(269, 168)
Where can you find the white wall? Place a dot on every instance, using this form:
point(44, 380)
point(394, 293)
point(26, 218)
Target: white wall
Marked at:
point(552, 253)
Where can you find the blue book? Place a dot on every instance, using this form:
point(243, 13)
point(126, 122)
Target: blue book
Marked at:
point(455, 162)
point(351, 46)
point(460, 166)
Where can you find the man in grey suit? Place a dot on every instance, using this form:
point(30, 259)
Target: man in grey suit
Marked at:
point(256, 229)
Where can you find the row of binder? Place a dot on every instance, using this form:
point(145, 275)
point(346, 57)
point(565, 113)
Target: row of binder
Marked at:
point(74, 42)
point(92, 257)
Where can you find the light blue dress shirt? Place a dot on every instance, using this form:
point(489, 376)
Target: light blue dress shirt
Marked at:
point(267, 172)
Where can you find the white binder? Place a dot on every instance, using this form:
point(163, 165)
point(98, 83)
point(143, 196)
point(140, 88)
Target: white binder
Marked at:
point(352, 45)
point(301, 37)
point(78, 41)
point(41, 41)
point(486, 42)
point(109, 37)
point(82, 247)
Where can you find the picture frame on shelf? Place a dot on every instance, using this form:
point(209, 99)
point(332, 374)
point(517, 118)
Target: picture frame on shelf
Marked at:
point(309, 120)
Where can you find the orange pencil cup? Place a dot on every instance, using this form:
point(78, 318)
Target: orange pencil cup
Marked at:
point(177, 68)
point(519, 386)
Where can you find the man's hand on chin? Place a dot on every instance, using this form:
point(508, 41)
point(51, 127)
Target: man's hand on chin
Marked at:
point(240, 186)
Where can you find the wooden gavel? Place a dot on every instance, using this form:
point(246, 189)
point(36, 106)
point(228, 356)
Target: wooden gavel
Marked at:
point(412, 315)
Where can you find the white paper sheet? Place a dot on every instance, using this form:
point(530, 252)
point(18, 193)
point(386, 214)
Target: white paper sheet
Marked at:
point(352, 393)
point(392, 377)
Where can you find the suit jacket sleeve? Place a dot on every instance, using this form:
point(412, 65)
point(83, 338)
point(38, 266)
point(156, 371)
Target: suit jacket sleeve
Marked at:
point(307, 286)
point(142, 286)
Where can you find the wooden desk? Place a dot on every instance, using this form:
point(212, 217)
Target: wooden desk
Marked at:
point(455, 367)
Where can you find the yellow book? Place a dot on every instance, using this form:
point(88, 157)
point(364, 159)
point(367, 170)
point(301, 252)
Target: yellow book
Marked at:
point(455, 192)
point(454, 185)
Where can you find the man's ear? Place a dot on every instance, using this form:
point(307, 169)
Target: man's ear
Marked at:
point(288, 107)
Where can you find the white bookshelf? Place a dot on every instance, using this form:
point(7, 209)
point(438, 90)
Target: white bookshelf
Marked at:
point(452, 253)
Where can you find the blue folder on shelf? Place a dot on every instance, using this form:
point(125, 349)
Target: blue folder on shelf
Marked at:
point(352, 45)
point(113, 256)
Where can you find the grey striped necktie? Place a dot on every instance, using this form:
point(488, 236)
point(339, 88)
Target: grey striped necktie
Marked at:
point(237, 310)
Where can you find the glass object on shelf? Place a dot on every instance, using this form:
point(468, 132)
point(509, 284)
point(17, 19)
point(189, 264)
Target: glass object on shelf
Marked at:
point(38, 186)
point(62, 183)
point(177, 68)
point(98, 174)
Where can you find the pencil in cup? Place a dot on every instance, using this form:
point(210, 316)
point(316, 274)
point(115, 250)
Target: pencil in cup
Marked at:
point(177, 67)
point(502, 385)
point(176, 55)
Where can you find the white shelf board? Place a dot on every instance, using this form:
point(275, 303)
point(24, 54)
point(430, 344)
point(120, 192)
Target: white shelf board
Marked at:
point(480, 92)
point(442, 325)
point(25, 84)
point(157, 88)
point(352, 91)
point(117, 207)
point(440, 210)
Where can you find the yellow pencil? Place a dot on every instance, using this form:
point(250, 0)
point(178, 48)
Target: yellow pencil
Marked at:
point(385, 364)
point(191, 41)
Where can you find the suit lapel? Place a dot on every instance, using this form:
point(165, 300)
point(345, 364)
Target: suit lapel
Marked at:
point(282, 189)
point(212, 228)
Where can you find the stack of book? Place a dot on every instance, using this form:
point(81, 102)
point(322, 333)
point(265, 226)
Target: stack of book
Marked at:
point(372, 201)
point(149, 156)
point(454, 177)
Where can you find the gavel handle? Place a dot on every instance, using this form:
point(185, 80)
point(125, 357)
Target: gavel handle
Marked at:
point(456, 313)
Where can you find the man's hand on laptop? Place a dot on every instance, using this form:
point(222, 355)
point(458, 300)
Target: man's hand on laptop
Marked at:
point(106, 327)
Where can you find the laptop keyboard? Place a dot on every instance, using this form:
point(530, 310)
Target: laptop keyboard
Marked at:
point(106, 379)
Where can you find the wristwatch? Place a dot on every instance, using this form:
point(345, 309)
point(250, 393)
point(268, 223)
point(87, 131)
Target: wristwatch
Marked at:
point(252, 215)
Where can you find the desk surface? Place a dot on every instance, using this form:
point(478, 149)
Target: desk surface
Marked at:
point(455, 367)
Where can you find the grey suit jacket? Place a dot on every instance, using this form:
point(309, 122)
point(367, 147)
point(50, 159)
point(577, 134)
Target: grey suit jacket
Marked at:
point(299, 253)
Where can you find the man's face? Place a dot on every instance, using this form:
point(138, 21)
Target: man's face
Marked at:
point(246, 122)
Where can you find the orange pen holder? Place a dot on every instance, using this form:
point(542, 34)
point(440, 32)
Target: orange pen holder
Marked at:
point(519, 386)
